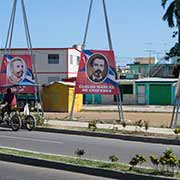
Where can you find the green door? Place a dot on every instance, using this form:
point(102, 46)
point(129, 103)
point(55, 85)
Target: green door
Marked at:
point(160, 94)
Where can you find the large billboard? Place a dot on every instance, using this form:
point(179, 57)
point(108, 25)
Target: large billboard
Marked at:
point(16, 70)
point(97, 73)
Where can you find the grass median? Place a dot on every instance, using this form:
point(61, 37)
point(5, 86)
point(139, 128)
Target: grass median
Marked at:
point(115, 166)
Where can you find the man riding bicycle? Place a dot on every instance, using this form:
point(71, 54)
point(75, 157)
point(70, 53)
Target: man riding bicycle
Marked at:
point(9, 102)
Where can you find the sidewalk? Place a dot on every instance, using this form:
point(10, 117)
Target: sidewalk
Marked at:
point(156, 116)
point(60, 124)
point(129, 108)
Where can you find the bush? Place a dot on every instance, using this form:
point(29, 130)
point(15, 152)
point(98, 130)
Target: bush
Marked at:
point(79, 152)
point(138, 159)
point(92, 125)
point(113, 158)
point(169, 159)
point(39, 119)
point(154, 160)
point(177, 131)
point(146, 125)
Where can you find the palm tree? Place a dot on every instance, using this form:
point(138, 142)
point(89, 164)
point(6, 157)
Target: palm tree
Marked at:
point(172, 14)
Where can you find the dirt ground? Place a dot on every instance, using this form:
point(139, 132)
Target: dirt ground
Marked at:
point(154, 119)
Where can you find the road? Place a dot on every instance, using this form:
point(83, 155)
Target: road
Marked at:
point(96, 148)
point(13, 171)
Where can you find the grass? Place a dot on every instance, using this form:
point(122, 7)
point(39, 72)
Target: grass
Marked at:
point(116, 166)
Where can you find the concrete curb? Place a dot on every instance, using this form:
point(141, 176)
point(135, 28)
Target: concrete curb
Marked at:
point(113, 136)
point(79, 169)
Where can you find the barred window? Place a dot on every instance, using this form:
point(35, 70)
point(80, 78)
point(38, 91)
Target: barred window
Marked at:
point(53, 58)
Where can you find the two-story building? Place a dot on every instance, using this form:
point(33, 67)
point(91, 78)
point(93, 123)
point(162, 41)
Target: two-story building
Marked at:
point(52, 64)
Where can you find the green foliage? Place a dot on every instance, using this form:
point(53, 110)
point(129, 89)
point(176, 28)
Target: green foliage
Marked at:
point(172, 17)
point(138, 159)
point(154, 160)
point(174, 51)
point(92, 125)
point(141, 158)
point(39, 119)
point(169, 159)
point(79, 152)
point(177, 131)
point(113, 158)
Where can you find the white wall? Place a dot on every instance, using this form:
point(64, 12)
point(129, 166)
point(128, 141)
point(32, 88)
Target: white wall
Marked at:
point(73, 68)
point(41, 61)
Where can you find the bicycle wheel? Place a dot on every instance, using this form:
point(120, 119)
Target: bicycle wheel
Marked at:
point(30, 122)
point(15, 122)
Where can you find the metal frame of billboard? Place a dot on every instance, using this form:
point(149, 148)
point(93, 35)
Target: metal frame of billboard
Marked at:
point(118, 97)
point(29, 45)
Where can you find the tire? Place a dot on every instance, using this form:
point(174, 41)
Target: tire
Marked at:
point(15, 122)
point(30, 122)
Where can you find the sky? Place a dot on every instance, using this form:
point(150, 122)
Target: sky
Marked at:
point(136, 26)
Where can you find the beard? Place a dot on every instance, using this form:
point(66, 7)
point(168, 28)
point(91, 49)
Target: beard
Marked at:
point(19, 74)
point(98, 74)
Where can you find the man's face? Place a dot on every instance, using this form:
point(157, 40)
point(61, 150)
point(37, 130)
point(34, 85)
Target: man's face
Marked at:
point(98, 64)
point(18, 68)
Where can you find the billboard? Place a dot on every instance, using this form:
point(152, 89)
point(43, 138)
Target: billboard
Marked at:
point(16, 70)
point(97, 73)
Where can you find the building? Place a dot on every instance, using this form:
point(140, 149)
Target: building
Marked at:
point(52, 64)
point(155, 91)
point(58, 96)
point(144, 60)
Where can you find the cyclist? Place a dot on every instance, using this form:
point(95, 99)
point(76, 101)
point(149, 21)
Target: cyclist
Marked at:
point(9, 102)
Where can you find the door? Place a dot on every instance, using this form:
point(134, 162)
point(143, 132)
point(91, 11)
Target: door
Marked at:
point(141, 96)
point(160, 94)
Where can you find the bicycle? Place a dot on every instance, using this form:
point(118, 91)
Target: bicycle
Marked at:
point(29, 122)
point(11, 118)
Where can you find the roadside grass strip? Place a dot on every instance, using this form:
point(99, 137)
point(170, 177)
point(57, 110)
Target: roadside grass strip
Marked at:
point(82, 162)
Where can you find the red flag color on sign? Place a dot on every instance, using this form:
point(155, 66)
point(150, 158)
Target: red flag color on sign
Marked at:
point(97, 73)
point(16, 70)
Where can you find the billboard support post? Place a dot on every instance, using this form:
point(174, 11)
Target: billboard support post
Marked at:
point(29, 45)
point(111, 70)
point(175, 112)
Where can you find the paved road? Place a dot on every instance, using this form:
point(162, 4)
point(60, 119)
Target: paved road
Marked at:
point(96, 148)
point(13, 171)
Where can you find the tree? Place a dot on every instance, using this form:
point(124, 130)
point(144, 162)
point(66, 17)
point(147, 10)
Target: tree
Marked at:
point(172, 16)
point(176, 69)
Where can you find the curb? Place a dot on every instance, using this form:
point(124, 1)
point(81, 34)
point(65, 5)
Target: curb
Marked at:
point(112, 136)
point(79, 169)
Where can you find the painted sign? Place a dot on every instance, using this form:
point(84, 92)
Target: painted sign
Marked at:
point(16, 70)
point(97, 73)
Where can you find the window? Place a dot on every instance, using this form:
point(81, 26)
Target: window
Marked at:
point(53, 78)
point(71, 59)
point(53, 58)
point(126, 89)
point(78, 59)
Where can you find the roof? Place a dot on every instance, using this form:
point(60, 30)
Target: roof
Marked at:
point(131, 81)
point(62, 82)
point(156, 80)
point(40, 48)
